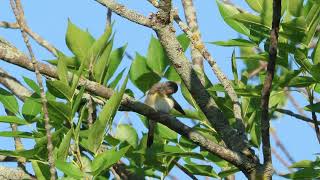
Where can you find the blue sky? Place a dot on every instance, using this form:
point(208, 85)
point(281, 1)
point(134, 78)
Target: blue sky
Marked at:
point(49, 19)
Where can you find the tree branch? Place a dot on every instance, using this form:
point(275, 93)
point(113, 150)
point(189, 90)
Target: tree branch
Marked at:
point(314, 116)
point(298, 116)
point(198, 44)
point(186, 171)
point(12, 55)
point(267, 86)
point(19, 14)
point(13, 173)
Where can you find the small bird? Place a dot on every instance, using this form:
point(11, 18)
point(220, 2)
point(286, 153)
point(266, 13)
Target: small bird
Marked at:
point(159, 97)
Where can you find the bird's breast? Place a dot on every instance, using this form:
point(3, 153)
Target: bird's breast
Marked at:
point(159, 102)
point(164, 104)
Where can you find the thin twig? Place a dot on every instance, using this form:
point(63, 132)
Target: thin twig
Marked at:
point(185, 170)
point(198, 44)
point(267, 86)
point(108, 19)
point(298, 116)
point(19, 14)
point(281, 146)
point(314, 116)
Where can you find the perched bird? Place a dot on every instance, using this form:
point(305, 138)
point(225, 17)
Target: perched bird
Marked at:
point(159, 97)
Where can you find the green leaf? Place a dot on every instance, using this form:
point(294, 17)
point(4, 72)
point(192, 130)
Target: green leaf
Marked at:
point(9, 101)
point(78, 41)
point(303, 164)
point(235, 42)
point(295, 7)
point(256, 5)
point(100, 45)
point(157, 59)
point(13, 119)
point(314, 108)
point(41, 170)
point(77, 101)
point(127, 133)
point(116, 80)
point(255, 131)
point(33, 85)
point(17, 134)
point(228, 11)
point(184, 41)
point(204, 170)
point(115, 59)
point(248, 91)
point(301, 81)
point(250, 19)
point(228, 172)
point(166, 133)
point(59, 89)
point(168, 150)
point(58, 112)
point(70, 169)
point(301, 58)
point(105, 118)
point(172, 75)
point(312, 20)
point(70, 62)
point(308, 173)
point(101, 59)
point(106, 159)
point(31, 108)
point(316, 53)
point(62, 70)
point(234, 67)
point(63, 149)
point(141, 75)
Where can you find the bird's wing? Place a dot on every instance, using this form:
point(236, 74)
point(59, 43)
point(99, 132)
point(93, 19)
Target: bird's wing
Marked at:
point(177, 106)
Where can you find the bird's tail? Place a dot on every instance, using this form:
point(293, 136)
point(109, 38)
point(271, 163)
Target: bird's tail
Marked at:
point(151, 127)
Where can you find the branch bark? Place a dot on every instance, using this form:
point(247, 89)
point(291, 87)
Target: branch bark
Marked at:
point(19, 14)
point(199, 45)
point(266, 90)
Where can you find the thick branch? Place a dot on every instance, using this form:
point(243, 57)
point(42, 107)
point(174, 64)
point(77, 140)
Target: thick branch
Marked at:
point(199, 45)
point(267, 86)
point(14, 85)
point(201, 96)
point(12, 55)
